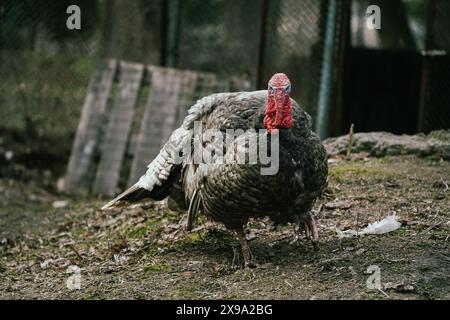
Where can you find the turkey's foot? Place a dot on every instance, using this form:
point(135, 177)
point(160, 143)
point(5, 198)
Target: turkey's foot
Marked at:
point(245, 249)
point(310, 228)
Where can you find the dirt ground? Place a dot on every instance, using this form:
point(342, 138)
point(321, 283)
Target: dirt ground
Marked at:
point(142, 252)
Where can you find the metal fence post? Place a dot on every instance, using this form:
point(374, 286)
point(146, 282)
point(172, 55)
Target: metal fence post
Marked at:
point(426, 64)
point(173, 33)
point(322, 120)
point(343, 49)
point(262, 44)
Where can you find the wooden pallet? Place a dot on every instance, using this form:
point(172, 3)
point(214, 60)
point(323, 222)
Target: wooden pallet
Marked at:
point(106, 149)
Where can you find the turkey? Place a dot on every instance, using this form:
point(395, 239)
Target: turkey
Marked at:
point(224, 184)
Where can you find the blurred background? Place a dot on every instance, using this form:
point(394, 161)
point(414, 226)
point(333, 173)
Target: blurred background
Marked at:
point(394, 79)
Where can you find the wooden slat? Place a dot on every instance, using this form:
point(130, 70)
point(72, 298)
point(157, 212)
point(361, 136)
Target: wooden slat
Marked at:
point(78, 177)
point(240, 84)
point(208, 83)
point(159, 118)
point(117, 132)
point(223, 85)
point(187, 95)
point(173, 92)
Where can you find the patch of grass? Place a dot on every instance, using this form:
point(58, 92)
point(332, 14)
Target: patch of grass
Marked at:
point(221, 238)
point(139, 231)
point(432, 159)
point(154, 225)
point(140, 296)
point(348, 171)
point(157, 267)
point(426, 244)
point(192, 239)
point(216, 238)
point(92, 296)
point(136, 232)
point(188, 293)
point(443, 135)
point(386, 159)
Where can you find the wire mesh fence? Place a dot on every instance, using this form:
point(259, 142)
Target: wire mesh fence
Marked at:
point(295, 34)
point(45, 68)
point(436, 113)
point(220, 36)
point(255, 39)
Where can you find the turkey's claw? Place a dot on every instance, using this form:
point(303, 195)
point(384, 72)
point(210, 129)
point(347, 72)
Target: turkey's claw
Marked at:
point(245, 249)
point(311, 229)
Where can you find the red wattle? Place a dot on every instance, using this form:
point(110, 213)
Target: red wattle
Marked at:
point(285, 116)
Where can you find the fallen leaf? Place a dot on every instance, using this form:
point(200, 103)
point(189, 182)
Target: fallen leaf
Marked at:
point(339, 204)
point(399, 287)
point(60, 204)
point(46, 263)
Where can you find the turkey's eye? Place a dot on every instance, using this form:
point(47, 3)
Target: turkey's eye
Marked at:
point(271, 90)
point(287, 89)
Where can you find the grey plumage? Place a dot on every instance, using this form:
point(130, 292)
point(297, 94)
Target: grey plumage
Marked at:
point(233, 193)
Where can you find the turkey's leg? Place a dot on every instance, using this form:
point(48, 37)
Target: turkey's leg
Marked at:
point(311, 229)
point(244, 248)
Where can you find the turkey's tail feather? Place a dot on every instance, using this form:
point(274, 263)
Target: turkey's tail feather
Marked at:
point(194, 208)
point(136, 192)
point(161, 172)
point(132, 194)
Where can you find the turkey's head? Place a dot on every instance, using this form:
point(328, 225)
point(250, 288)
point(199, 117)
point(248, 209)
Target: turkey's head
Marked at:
point(279, 110)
